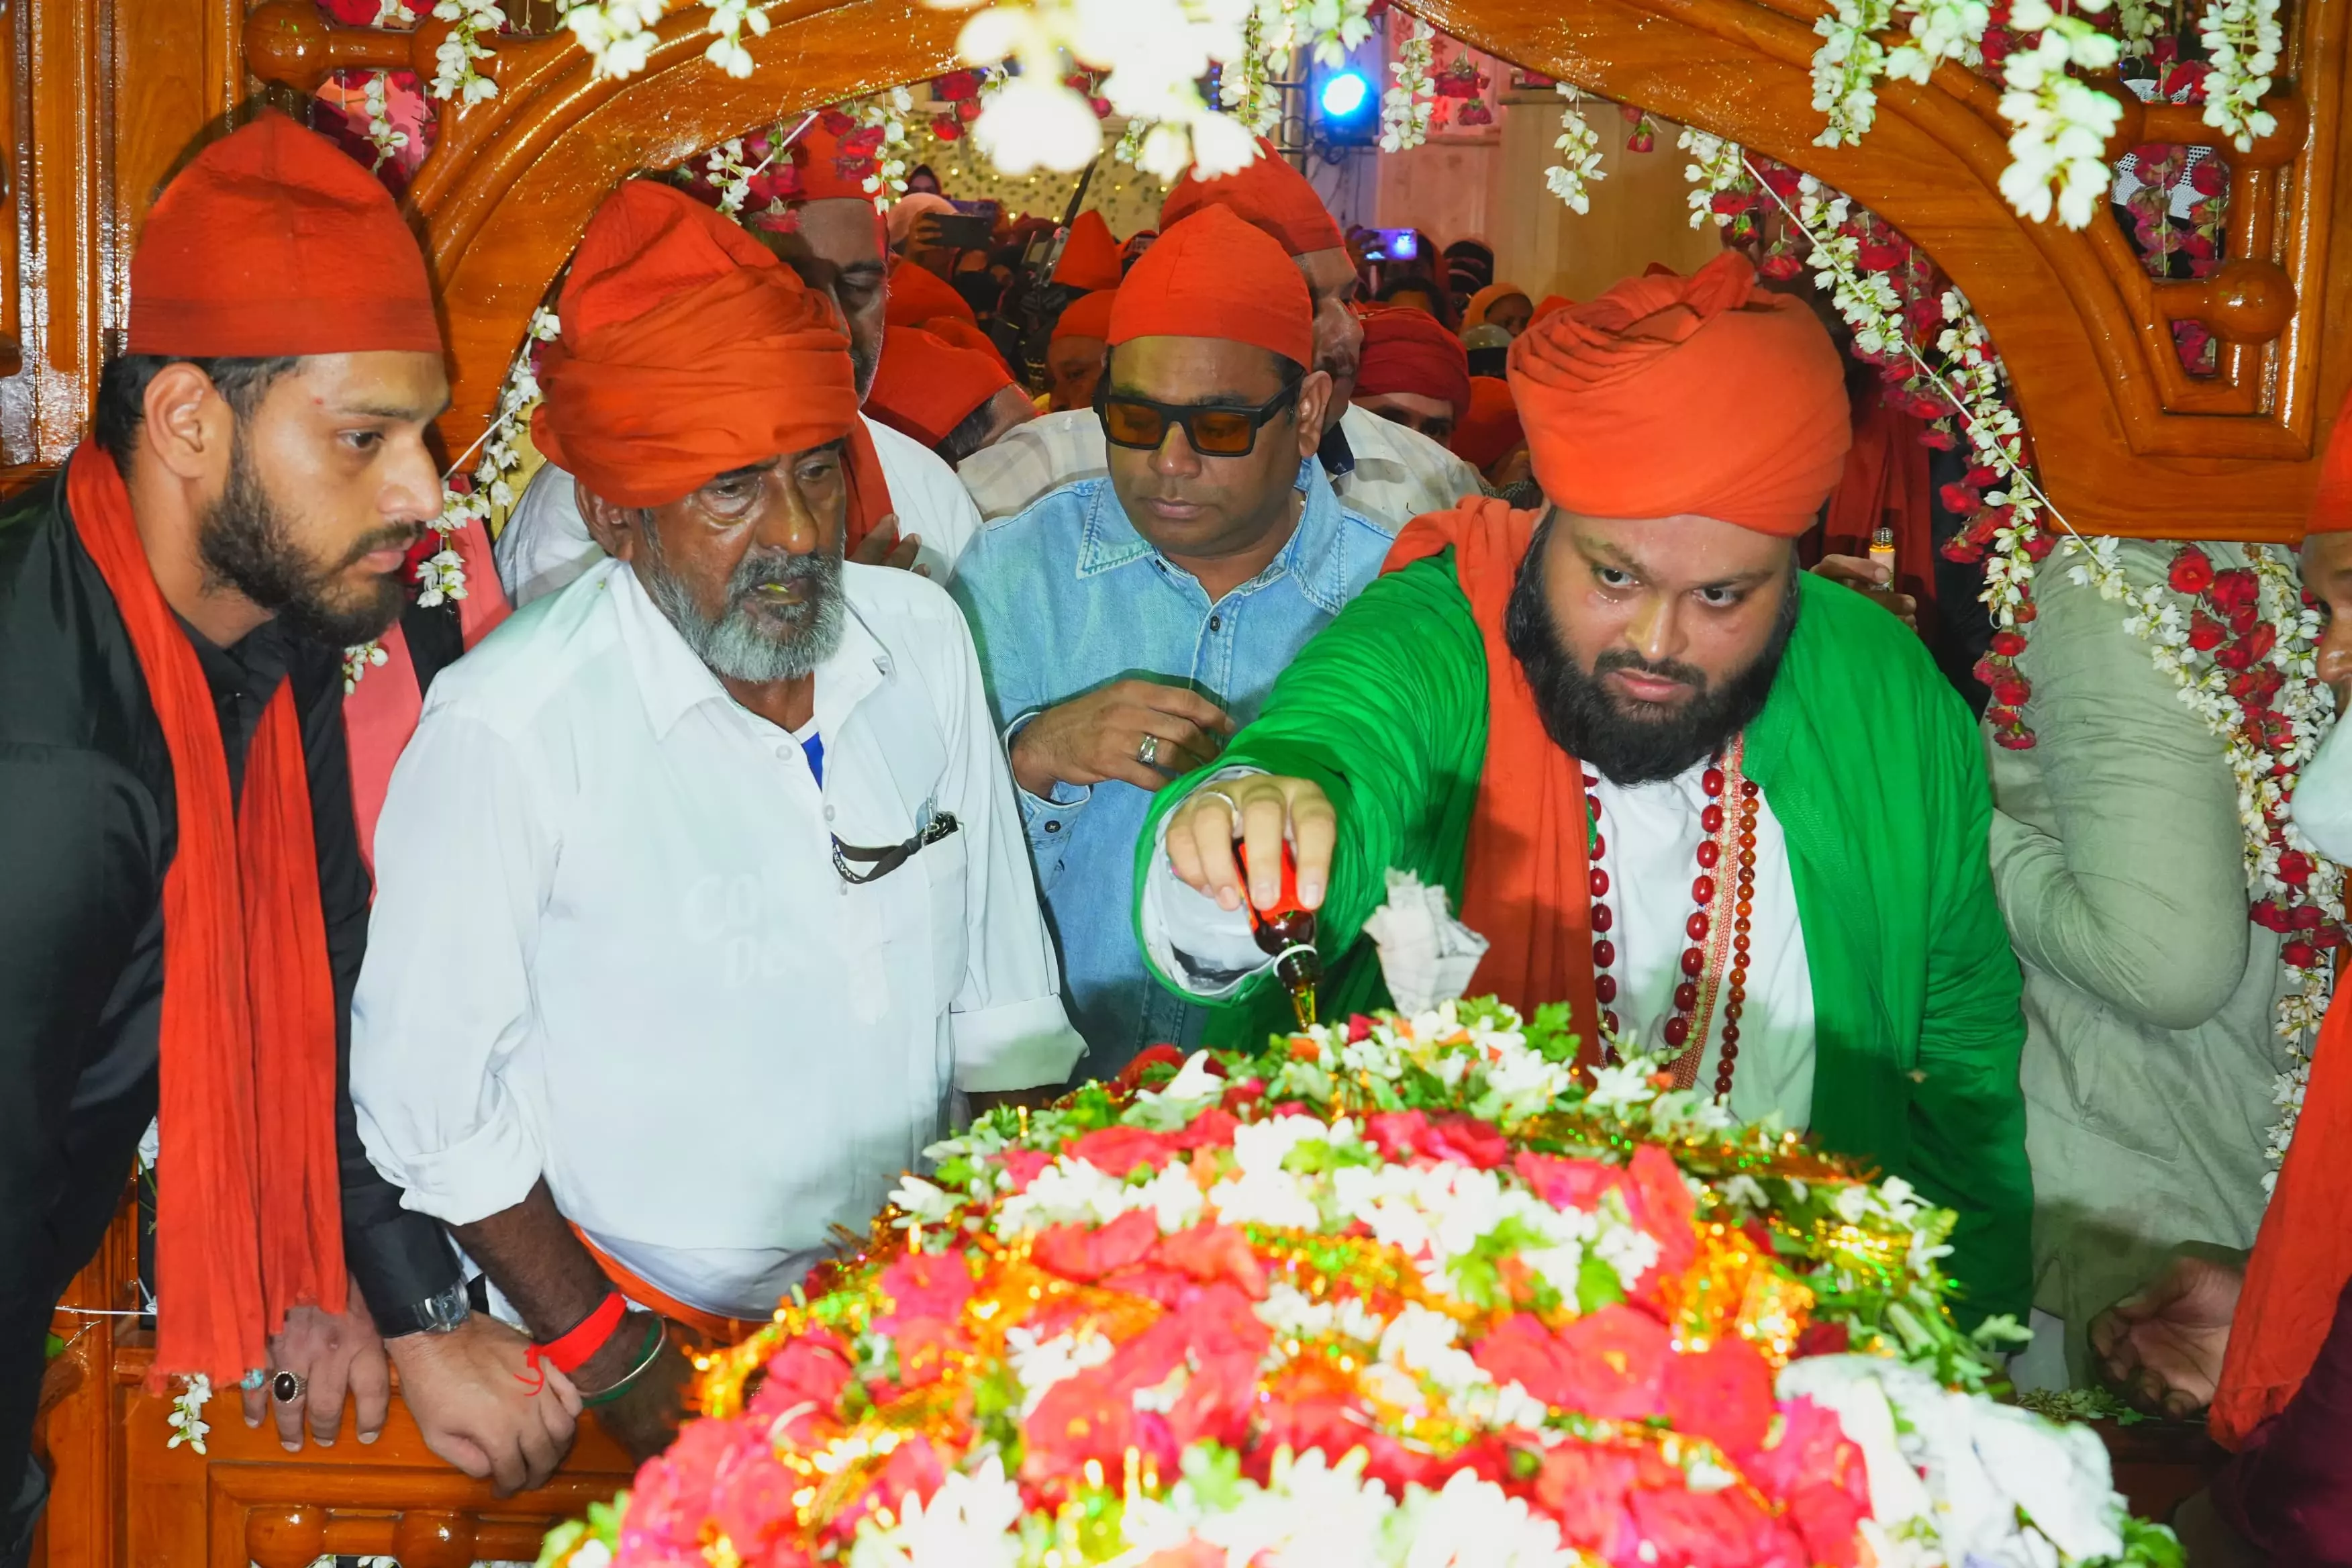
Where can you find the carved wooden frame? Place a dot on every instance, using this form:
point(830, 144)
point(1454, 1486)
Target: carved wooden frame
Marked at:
point(2126, 442)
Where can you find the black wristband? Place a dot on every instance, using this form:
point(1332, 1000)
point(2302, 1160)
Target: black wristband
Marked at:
point(438, 1313)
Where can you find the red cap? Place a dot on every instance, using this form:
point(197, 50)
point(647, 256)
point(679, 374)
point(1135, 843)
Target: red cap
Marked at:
point(1091, 256)
point(274, 241)
point(1214, 276)
point(2331, 509)
point(927, 386)
point(1087, 316)
point(1268, 194)
point(917, 295)
point(1410, 351)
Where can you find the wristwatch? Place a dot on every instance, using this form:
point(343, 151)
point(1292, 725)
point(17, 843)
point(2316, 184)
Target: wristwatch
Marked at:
point(439, 1313)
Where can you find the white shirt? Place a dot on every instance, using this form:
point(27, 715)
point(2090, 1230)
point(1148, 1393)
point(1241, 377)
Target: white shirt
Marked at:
point(545, 543)
point(1398, 474)
point(1650, 836)
point(2322, 804)
point(610, 946)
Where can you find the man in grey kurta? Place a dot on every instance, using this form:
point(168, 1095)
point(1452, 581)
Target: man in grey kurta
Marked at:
point(2150, 998)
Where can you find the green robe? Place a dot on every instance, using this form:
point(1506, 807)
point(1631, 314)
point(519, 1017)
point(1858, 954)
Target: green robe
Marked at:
point(1871, 764)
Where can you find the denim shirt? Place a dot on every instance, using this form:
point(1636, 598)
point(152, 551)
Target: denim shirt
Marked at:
point(1067, 597)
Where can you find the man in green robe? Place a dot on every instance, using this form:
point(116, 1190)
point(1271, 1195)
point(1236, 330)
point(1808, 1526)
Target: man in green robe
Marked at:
point(1716, 805)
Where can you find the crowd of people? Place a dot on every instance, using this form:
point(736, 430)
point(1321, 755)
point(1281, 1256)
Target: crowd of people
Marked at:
point(870, 744)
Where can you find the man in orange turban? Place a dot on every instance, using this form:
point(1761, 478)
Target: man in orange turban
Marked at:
point(953, 400)
point(1415, 373)
point(1379, 471)
point(1074, 355)
point(744, 797)
point(185, 904)
point(911, 511)
point(1712, 803)
point(1123, 620)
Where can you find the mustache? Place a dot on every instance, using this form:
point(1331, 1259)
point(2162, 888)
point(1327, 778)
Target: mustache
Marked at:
point(1625, 659)
point(403, 535)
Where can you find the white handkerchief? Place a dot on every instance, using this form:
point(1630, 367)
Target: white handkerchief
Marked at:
point(1426, 954)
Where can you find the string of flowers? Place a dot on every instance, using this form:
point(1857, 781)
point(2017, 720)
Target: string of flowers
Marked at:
point(2062, 122)
point(454, 74)
point(186, 1419)
point(441, 574)
point(887, 112)
point(2242, 38)
point(1405, 106)
point(376, 94)
point(2239, 643)
point(1578, 146)
point(1245, 86)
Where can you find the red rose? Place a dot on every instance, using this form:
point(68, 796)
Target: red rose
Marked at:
point(2302, 954)
point(946, 126)
point(2260, 640)
point(1728, 1529)
point(1729, 201)
point(751, 1506)
point(1780, 265)
point(2295, 868)
point(1883, 255)
point(1723, 1394)
point(1960, 500)
point(1823, 1339)
point(1084, 1254)
point(2306, 917)
point(1664, 1207)
point(1022, 1165)
point(1152, 1057)
point(2192, 571)
point(1822, 1479)
point(2234, 588)
point(2211, 177)
point(1359, 1028)
point(956, 86)
point(1209, 1253)
point(2255, 688)
point(2235, 656)
point(1610, 1364)
point(2012, 691)
point(2205, 632)
point(2007, 643)
point(1117, 1149)
point(1941, 439)
point(1212, 1128)
point(1584, 1488)
point(1566, 1184)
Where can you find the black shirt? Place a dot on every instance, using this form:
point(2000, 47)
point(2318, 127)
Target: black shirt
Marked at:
point(87, 827)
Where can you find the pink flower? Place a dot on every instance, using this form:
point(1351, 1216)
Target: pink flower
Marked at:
point(1086, 1253)
point(1409, 1134)
point(1820, 1478)
point(1609, 1364)
point(1723, 1394)
point(914, 1469)
point(1117, 1149)
point(1023, 1165)
point(1714, 1530)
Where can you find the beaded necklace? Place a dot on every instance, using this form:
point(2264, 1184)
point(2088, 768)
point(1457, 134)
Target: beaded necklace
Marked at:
point(1714, 964)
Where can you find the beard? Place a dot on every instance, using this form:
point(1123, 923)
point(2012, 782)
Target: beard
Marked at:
point(1636, 743)
point(747, 640)
point(247, 544)
point(864, 364)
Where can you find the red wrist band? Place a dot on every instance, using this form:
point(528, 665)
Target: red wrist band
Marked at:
point(567, 1352)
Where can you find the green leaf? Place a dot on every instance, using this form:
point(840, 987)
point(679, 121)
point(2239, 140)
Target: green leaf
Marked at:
point(1597, 1285)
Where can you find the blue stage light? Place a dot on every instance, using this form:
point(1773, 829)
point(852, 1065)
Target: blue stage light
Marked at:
point(1344, 92)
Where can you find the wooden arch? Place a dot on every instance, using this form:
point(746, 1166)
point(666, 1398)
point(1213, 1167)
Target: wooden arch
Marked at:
point(2127, 443)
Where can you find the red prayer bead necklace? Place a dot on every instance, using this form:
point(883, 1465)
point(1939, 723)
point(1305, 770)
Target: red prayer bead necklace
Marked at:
point(1718, 929)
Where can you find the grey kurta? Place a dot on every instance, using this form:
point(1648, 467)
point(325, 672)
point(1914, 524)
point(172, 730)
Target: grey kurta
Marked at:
point(2150, 999)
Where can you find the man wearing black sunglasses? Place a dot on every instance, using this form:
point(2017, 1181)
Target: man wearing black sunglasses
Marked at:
point(1126, 623)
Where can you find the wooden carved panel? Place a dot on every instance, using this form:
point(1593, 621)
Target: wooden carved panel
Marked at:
point(2128, 443)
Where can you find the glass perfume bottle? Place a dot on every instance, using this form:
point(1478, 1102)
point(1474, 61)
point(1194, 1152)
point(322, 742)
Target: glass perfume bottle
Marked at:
point(1287, 933)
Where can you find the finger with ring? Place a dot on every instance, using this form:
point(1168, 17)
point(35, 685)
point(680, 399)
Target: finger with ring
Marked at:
point(1148, 753)
point(287, 1386)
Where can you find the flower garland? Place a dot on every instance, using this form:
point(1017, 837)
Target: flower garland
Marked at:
point(2242, 38)
point(441, 574)
point(887, 112)
point(2062, 122)
point(1405, 106)
point(1398, 1292)
point(187, 1417)
point(2242, 651)
point(454, 74)
point(1580, 152)
point(376, 94)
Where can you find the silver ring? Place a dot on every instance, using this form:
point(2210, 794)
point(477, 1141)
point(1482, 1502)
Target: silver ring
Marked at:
point(1148, 753)
point(1231, 803)
point(287, 1386)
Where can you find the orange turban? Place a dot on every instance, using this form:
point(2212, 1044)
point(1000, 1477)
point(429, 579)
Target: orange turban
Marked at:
point(1551, 303)
point(1670, 396)
point(1410, 350)
point(1475, 313)
point(1490, 431)
point(274, 241)
point(917, 295)
point(688, 350)
point(2331, 509)
point(1087, 316)
point(832, 159)
point(1091, 256)
point(1213, 275)
point(1268, 194)
point(927, 386)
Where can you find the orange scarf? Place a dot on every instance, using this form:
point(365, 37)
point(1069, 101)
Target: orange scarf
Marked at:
point(1526, 885)
point(2302, 1255)
point(250, 1206)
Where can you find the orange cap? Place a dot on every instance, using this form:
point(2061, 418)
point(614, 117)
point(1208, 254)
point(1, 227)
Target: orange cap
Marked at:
point(1268, 194)
point(274, 241)
point(1410, 351)
point(1091, 256)
point(687, 349)
point(1670, 396)
point(1214, 276)
point(1490, 431)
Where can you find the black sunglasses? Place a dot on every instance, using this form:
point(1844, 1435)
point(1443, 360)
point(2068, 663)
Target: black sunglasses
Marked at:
point(1215, 430)
point(873, 865)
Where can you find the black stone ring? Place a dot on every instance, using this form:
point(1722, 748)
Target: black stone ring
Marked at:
point(287, 1386)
